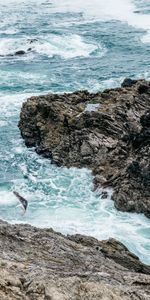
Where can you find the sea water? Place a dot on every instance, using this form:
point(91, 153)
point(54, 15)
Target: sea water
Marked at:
point(69, 45)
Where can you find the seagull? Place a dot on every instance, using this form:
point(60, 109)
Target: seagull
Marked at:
point(22, 200)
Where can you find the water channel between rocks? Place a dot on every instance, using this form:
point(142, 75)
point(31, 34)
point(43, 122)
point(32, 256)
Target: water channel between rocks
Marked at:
point(60, 198)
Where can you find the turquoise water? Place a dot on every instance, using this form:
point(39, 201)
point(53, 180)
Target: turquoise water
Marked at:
point(73, 46)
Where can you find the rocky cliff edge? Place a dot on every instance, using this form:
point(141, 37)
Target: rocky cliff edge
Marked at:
point(108, 132)
point(40, 264)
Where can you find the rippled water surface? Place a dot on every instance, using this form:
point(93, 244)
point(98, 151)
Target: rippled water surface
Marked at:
point(69, 45)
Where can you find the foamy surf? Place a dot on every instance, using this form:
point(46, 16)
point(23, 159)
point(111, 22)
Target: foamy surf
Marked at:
point(122, 10)
point(9, 46)
point(146, 37)
point(7, 199)
point(67, 46)
point(63, 199)
point(10, 31)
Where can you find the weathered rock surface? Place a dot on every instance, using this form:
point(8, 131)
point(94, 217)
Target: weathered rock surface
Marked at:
point(108, 132)
point(40, 264)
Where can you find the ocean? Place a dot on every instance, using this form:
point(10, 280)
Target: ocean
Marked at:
point(69, 45)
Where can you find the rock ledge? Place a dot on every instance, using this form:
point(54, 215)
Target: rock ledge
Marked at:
point(40, 264)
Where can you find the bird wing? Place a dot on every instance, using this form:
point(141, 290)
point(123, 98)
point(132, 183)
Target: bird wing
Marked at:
point(23, 201)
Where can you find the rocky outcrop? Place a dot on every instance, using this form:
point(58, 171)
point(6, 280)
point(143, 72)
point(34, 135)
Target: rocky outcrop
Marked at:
point(40, 264)
point(108, 132)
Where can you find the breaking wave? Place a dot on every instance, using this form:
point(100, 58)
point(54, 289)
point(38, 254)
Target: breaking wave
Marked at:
point(67, 47)
point(122, 10)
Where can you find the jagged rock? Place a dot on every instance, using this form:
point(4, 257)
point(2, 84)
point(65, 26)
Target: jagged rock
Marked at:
point(40, 264)
point(108, 132)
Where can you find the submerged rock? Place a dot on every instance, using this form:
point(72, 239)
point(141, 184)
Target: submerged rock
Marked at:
point(41, 264)
point(108, 132)
point(20, 52)
point(31, 41)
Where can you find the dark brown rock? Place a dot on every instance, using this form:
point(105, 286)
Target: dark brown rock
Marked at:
point(108, 132)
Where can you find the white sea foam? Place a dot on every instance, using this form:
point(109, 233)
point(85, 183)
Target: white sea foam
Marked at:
point(9, 31)
point(70, 206)
point(10, 104)
point(7, 199)
point(95, 85)
point(8, 46)
point(63, 199)
point(66, 46)
point(3, 123)
point(14, 100)
point(122, 10)
point(12, 79)
point(146, 37)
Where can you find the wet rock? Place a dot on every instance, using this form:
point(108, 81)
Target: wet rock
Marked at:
point(145, 120)
point(134, 169)
point(31, 41)
point(42, 264)
point(143, 89)
point(108, 132)
point(128, 82)
point(20, 52)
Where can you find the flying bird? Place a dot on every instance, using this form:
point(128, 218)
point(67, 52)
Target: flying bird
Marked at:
point(22, 200)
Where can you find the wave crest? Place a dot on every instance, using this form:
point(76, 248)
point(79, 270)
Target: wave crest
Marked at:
point(66, 46)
